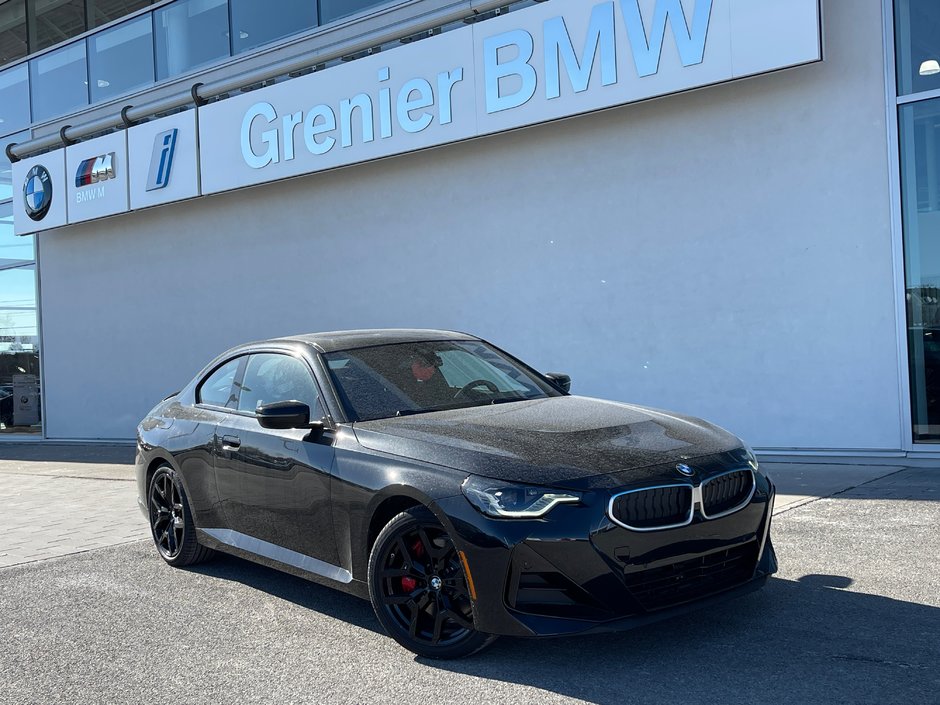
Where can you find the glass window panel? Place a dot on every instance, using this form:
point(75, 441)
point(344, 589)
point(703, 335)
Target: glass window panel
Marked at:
point(12, 31)
point(54, 21)
point(920, 164)
point(254, 23)
point(271, 378)
point(6, 169)
point(335, 9)
point(13, 250)
point(59, 81)
point(189, 34)
point(100, 12)
point(121, 58)
point(19, 352)
point(917, 23)
point(14, 98)
point(217, 389)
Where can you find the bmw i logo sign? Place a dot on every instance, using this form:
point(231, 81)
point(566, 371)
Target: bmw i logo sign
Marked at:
point(37, 192)
point(685, 470)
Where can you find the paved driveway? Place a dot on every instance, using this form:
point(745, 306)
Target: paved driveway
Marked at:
point(853, 617)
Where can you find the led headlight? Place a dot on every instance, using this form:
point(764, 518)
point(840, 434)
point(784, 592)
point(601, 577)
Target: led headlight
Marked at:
point(499, 499)
point(750, 458)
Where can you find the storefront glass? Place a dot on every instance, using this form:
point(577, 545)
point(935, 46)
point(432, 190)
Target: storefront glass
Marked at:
point(20, 410)
point(121, 59)
point(253, 23)
point(59, 82)
point(917, 23)
point(335, 9)
point(190, 34)
point(920, 169)
point(14, 99)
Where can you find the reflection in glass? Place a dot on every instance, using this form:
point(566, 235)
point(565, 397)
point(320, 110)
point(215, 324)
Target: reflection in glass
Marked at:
point(254, 24)
point(334, 9)
point(920, 164)
point(13, 250)
point(54, 21)
point(12, 32)
point(19, 352)
point(6, 169)
point(100, 12)
point(14, 99)
point(190, 33)
point(59, 82)
point(121, 58)
point(917, 23)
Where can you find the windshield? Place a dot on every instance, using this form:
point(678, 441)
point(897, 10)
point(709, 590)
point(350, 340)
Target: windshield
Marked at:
point(413, 378)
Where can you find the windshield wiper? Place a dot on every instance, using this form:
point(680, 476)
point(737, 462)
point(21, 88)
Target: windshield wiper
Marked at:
point(506, 400)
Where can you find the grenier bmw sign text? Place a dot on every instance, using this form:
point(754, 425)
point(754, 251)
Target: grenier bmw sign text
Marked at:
point(553, 60)
point(510, 79)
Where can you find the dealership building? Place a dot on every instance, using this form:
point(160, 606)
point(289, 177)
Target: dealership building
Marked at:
point(728, 208)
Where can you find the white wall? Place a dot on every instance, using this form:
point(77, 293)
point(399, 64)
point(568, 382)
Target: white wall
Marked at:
point(725, 253)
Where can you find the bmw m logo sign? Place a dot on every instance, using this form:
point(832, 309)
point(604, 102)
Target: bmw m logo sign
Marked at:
point(93, 171)
point(37, 192)
point(685, 470)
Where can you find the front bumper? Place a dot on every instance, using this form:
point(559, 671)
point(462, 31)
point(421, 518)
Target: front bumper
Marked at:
point(575, 571)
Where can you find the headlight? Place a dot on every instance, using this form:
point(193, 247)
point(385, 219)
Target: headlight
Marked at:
point(750, 458)
point(499, 499)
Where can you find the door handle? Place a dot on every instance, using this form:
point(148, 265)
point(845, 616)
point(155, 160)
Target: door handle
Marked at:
point(231, 442)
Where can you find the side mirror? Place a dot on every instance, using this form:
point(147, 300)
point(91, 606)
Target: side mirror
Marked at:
point(562, 381)
point(283, 415)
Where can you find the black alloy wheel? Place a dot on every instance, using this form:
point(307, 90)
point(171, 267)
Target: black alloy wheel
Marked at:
point(419, 588)
point(171, 521)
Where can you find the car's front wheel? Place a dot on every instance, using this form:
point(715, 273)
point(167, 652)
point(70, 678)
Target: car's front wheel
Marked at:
point(171, 521)
point(419, 588)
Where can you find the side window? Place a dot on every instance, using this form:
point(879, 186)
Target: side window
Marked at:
point(271, 378)
point(217, 388)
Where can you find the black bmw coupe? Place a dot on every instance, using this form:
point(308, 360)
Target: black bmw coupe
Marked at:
point(462, 492)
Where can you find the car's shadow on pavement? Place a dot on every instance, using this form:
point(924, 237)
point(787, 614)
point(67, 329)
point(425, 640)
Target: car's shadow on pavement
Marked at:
point(802, 642)
point(806, 641)
point(327, 601)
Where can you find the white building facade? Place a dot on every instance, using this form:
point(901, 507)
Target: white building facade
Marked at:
point(722, 207)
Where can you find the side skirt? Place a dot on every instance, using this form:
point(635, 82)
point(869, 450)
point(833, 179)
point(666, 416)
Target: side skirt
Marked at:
point(283, 559)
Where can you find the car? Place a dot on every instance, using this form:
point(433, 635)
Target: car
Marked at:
point(461, 491)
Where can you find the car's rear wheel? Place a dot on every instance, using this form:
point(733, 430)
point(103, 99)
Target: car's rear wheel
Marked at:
point(171, 521)
point(419, 588)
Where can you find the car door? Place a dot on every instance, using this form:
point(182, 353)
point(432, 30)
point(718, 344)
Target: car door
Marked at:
point(274, 485)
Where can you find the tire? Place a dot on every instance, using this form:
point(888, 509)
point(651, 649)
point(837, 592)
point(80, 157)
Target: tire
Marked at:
point(171, 521)
point(419, 589)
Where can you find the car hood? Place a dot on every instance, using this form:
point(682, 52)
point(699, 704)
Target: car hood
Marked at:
point(571, 441)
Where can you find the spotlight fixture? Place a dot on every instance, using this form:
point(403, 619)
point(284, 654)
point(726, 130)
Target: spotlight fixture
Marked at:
point(930, 67)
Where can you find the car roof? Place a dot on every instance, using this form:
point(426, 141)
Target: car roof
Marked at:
point(349, 339)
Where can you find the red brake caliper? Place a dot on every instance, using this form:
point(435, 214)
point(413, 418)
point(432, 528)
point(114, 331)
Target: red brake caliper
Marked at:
point(408, 584)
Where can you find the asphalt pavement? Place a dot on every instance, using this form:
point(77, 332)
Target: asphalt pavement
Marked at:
point(852, 617)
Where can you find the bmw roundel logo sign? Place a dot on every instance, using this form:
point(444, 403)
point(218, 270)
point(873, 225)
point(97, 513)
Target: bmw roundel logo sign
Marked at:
point(685, 470)
point(37, 192)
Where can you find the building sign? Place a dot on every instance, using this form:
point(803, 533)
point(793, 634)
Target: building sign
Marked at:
point(165, 158)
point(39, 193)
point(553, 60)
point(97, 172)
point(550, 61)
